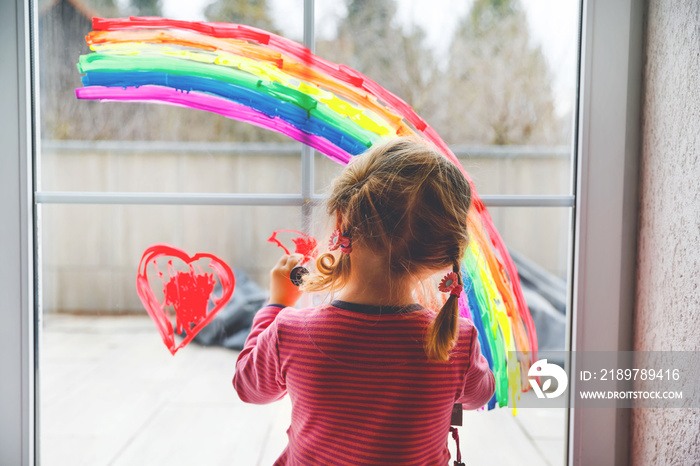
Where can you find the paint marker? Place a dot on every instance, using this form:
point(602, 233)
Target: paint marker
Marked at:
point(297, 274)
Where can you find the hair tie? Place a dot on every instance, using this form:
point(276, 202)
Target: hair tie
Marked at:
point(340, 240)
point(450, 284)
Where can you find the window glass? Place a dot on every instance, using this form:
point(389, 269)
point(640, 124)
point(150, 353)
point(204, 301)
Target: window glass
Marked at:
point(514, 170)
point(110, 390)
point(100, 146)
point(127, 166)
point(538, 240)
point(538, 234)
point(101, 353)
point(496, 80)
point(90, 254)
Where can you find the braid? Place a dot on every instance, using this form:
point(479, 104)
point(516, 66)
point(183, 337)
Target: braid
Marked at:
point(442, 332)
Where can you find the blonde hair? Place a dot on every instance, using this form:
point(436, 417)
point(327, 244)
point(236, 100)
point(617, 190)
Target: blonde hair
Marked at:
point(404, 200)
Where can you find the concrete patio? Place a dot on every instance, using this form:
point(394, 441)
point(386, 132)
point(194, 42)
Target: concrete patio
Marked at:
point(111, 394)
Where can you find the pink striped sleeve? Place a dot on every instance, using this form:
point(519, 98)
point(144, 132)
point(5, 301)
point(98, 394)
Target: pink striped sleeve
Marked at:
point(258, 377)
point(479, 384)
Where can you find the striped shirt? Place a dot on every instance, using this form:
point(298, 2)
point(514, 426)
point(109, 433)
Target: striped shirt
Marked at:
point(361, 387)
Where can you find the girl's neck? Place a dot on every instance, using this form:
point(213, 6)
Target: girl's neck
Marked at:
point(371, 282)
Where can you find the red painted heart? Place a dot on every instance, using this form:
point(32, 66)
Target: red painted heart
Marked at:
point(188, 292)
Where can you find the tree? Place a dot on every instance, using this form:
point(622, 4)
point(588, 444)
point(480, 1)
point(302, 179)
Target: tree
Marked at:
point(499, 86)
point(146, 7)
point(62, 40)
point(104, 8)
point(242, 12)
point(370, 41)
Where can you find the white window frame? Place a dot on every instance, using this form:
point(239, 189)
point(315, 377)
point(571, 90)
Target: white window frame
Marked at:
point(605, 228)
point(603, 278)
point(17, 355)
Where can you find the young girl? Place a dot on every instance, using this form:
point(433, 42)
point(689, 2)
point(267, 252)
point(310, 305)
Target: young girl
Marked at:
point(373, 375)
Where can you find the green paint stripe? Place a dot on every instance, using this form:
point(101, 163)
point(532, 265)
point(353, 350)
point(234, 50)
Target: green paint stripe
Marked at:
point(177, 66)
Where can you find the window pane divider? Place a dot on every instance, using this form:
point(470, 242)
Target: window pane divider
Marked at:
point(245, 199)
point(307, 153)
point(463, 152)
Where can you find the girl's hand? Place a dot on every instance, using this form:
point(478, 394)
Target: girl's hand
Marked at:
point(282, 290)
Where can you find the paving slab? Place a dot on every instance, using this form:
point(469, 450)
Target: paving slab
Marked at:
point(112, 394)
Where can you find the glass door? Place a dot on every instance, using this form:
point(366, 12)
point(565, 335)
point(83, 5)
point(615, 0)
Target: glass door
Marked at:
point(497, 80)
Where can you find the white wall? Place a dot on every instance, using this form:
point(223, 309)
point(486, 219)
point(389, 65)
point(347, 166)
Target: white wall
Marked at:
point(90, 253)
point(667, 313)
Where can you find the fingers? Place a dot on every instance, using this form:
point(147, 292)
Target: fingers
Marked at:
point(288, 262)
point(282, 290)
point(282, 262)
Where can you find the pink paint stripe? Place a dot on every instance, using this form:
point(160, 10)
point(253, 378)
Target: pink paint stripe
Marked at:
point(209, 103)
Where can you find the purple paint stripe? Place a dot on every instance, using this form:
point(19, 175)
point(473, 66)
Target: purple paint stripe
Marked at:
point(209, 103)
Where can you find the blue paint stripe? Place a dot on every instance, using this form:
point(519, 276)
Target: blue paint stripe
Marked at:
point(270, 106)
point(478, 323)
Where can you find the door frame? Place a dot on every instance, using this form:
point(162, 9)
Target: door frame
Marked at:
point(603, 269)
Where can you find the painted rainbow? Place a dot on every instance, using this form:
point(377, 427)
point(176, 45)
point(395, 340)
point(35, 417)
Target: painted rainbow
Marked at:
point(251, 75)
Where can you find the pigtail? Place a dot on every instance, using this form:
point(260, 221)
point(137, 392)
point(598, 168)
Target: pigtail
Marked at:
point(331, 273)
point(442, 332)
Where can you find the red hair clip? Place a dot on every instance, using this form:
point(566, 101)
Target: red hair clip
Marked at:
point(340, 240)
point(450, 284)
